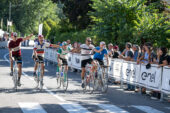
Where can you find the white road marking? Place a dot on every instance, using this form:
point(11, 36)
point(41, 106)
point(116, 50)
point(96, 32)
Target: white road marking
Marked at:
point(74, 108)
point(112, 108)
point(31, 107)
point(147, 109)
point(167, 107)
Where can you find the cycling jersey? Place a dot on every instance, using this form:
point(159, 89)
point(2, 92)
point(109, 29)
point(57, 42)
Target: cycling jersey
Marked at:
point(63, 52)
point(40, 48)
point(85, 51)
point(15, 47)
point(100, 55)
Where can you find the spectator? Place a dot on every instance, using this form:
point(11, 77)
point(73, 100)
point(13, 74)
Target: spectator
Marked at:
point(115, 53)
point(135, 49)
point(127, 54)
point(69, 44)
point(110, 50)
point(163, 61)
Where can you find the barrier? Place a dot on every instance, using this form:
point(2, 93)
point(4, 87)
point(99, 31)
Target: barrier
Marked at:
point(154, 78)
point(3, 44)
point(166, 80)
point(130, 72)
point(150, 78)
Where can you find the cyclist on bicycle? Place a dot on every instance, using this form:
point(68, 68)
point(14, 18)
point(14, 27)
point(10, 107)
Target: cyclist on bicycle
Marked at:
point(39, 47)
point(62, 55)
point(86, 50)
point(99, 55)
point(15, 52)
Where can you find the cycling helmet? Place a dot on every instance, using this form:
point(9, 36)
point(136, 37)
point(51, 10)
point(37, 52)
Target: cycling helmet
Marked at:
point(14, 34)
point(64, 43)
point(40, 36)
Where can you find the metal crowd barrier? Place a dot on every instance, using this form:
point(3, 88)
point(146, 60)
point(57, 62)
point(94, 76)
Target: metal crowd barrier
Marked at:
point(126, 71)
point(3, 44)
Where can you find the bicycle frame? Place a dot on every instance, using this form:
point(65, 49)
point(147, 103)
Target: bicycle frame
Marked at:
point(62, 78)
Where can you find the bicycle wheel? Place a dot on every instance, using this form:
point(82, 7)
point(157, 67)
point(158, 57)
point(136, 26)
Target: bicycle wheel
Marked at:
point(41, 80)
point(104, 80)
point(91, 85)
point(58, 78)
point(15, 79)
point(65, 81)
point(38, 77)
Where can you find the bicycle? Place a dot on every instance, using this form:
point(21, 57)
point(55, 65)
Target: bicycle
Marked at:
point(101, 80)
point(15, 75)
point(39, 79)
point(89, 79)
point(61, 77)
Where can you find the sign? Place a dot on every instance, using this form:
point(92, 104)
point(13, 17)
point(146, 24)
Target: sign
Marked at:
point(76, 61)
point(117, 68)
point(150, 78)
point(40, 28)
point(69, 60)
point(130, 72)
point(9, 23)
point(166, 80)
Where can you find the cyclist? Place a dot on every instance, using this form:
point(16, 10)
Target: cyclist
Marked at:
point(62, 55)
point(99, 55)
point(15, 52)
point(39, 47)
point(86, 50)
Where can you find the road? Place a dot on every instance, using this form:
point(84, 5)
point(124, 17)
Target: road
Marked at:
point(53, 100)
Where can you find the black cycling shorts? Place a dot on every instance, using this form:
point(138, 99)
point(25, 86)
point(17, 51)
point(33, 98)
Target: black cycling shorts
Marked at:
point(18, 59)
point(100, 62)
point(84, 62)
point(64, 61)
point(39, 59)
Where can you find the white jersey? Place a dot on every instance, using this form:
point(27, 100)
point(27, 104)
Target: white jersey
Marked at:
point(40, 48)
point(86, 51)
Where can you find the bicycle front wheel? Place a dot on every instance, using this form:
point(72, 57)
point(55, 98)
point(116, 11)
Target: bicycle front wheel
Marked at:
point(65, 82)
point(104, 82)
point(58, 78)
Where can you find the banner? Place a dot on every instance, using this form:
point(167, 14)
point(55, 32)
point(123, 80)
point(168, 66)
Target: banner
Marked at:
point(166, 80)
point(150, 78)
point(130, 72)
point(69, 59)
point(40, 29)
point(117, 68)
point(76, 61)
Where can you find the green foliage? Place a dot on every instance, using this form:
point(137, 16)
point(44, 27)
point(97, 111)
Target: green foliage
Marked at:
point(120, 21)
point(26, 14)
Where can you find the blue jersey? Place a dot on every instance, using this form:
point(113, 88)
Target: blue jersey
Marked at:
point(100, 55)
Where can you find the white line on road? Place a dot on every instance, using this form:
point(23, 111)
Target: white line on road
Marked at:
point(31, 107)
point(70, 107)
point(74, 108)
point(112, 108)
point(147, 109)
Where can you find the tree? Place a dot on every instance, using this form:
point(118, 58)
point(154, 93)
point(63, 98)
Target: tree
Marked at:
point(26, 14)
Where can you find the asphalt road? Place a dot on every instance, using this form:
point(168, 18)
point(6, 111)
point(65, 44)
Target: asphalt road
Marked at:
point(53, 100)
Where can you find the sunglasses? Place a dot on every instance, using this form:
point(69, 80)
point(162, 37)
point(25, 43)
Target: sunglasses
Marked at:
point(89, 40)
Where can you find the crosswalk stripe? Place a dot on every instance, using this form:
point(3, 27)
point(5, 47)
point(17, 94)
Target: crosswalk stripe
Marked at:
point(147, 109)
point(112, 108)
point(31, 107)
point(74, 108)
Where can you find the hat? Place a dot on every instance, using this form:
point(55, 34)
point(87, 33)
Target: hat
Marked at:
point(102, 43)
point(115, 47)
